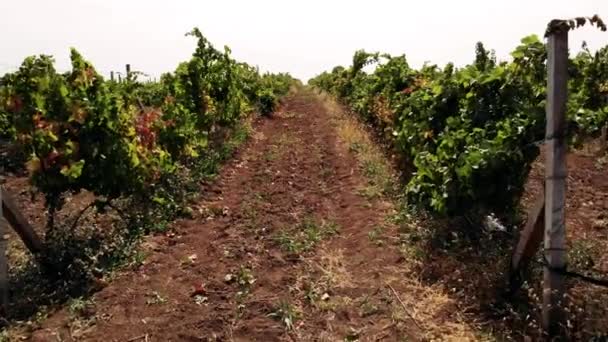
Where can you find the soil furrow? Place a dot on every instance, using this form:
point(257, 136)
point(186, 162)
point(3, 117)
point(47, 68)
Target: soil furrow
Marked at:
point(279, 249)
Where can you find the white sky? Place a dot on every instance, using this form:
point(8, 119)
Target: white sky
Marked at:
point(301, 37)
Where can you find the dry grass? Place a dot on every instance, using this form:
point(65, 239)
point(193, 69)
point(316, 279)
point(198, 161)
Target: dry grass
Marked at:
point(332, 267)
point(432, 306)
point(323, 273)
point(372, 161)
point(433, 309)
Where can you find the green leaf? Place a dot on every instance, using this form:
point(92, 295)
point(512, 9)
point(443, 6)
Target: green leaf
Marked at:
point(437, 89)
point(52, 136)
point(531, 39)
point(73, 171)
point(159, 200)
point(518, 53)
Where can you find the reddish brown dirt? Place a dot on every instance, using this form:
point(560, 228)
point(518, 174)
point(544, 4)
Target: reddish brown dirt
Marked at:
point(477, 270)
point(587, 235)
point(586, 200)
point(586, 197)
point(293, 169)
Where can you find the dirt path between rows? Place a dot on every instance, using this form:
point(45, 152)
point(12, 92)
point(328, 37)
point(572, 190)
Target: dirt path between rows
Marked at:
point(283, 247)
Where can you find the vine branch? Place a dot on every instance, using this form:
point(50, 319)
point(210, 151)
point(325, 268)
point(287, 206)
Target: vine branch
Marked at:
point(565, 25)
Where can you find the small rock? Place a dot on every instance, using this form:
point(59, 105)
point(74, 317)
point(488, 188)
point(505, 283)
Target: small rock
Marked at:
point(599, 224)
point(192, 258)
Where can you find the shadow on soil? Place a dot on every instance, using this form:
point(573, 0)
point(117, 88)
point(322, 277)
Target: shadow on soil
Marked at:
point(82, 255)
point(474, 265)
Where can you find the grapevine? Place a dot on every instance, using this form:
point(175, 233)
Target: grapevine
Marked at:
point(470, 134)
point(120, 139)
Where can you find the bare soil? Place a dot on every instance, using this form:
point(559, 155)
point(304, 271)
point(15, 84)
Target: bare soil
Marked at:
point(292, 171)
point(294, 242)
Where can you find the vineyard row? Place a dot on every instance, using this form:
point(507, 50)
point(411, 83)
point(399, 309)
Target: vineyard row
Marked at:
point(470, 134)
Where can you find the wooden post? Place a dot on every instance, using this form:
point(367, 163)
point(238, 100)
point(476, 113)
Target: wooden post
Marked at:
point(128, 68)
point(3, 261)
point(25, 231)
point(112, 76)
point(555, 184)
point(530, 239)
